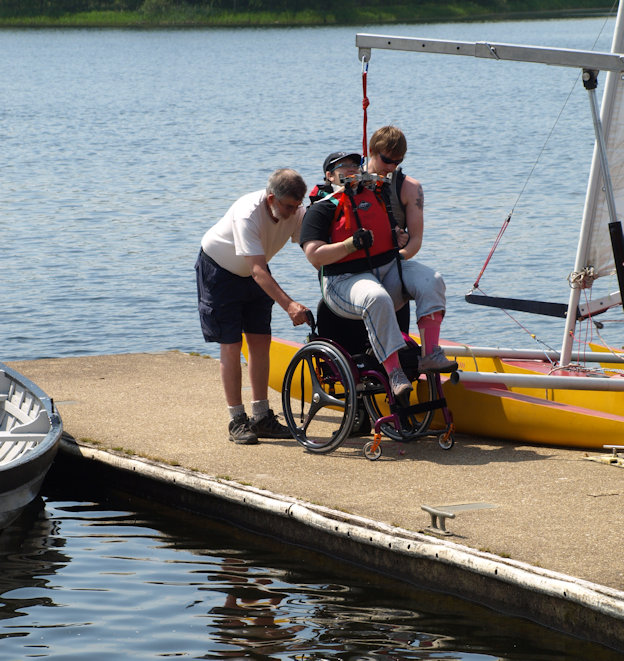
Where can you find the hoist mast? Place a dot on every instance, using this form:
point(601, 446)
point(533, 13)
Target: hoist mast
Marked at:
point(590, 63)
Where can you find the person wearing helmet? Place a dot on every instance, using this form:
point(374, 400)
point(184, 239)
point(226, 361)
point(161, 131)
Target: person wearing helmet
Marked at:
point(347, 162)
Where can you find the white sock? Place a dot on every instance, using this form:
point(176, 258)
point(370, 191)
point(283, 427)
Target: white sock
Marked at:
point(259, 408)
point(236, 410)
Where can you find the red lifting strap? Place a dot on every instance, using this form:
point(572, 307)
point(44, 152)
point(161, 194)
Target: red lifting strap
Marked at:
point(365, 104)
point(489, 257)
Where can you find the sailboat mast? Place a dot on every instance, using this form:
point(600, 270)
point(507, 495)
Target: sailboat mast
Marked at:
point(599, 173)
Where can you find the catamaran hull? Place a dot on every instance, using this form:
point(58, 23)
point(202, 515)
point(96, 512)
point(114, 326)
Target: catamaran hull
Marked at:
point(561, 417)
point(30, 433)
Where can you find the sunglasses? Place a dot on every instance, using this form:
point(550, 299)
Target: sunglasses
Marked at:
point(389, 161)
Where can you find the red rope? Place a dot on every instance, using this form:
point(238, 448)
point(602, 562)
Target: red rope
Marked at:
point(487, 261)
point(365, 104)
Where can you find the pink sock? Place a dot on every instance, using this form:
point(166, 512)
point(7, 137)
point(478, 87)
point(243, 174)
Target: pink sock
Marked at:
point(391, 362)
point(429, 327)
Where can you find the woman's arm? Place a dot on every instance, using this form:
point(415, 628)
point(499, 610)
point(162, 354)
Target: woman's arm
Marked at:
point(413, 199)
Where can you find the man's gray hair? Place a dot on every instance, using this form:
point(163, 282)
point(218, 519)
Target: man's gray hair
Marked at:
point(286, 183)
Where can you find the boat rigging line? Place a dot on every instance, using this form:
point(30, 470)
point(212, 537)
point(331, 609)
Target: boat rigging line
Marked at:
point(507, 220)
point(506, 304)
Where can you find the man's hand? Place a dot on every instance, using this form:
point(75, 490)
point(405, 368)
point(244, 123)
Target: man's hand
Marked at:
point(297, 313)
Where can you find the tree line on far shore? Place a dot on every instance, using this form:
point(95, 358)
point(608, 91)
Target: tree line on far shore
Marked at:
point(57, 8)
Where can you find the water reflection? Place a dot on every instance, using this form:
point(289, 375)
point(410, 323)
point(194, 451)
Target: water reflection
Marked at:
point(102, 579)
point(250, 618)
point(30, 555)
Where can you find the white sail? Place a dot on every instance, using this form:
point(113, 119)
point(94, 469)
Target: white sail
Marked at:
point(599, 254)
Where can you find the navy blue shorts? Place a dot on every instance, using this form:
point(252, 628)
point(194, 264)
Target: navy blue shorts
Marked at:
point(230, 304)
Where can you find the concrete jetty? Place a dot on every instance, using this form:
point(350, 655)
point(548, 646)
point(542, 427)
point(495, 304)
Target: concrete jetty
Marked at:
point(537, 531)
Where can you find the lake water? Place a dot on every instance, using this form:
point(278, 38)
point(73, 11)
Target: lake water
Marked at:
point(87, 575)
point(120, 148)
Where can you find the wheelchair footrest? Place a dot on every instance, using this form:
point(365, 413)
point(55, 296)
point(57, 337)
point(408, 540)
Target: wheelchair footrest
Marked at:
point(431, 405)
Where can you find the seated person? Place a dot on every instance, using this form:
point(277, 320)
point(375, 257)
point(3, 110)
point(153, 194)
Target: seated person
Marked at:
point(349, 238)
point(327, 188)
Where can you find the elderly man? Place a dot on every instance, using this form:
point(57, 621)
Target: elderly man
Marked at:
point(236, 292)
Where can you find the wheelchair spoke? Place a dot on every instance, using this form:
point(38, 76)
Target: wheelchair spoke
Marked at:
point(320, 380)
point(320, 397)
point(412, 425)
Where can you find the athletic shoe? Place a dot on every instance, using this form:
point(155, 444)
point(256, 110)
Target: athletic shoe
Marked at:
point(269, 427)
point(436, 361)
point(241, 432)
point(400, 384)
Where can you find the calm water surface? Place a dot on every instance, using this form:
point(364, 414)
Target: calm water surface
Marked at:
point(121, 148)
point(96, 578)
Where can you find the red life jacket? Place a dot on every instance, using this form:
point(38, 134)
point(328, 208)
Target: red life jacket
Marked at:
point(373, 216)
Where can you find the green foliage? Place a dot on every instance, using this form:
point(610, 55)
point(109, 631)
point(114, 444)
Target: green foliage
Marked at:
point(156, 7)
point(272, 12)
point(55, 8)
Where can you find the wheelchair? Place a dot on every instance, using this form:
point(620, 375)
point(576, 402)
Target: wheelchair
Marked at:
point(335, 388)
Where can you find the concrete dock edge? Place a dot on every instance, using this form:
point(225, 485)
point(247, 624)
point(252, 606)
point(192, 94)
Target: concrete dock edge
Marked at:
point(579, 608)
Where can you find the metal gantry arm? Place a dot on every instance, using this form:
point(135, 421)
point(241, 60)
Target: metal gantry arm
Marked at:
point(494, 51)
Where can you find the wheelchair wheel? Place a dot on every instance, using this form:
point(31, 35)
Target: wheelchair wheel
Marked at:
point(447, 440)
point(319, 398)
point(413, 425)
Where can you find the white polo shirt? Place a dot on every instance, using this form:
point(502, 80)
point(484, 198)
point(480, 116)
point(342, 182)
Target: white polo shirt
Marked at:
point(248, 229)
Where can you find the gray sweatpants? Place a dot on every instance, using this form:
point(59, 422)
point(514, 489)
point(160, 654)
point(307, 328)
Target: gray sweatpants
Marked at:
point(375, 296)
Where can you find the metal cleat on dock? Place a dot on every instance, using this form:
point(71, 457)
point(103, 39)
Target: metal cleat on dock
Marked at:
point(438, 520)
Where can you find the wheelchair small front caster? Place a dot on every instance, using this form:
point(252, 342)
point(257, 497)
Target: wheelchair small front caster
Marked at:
point(372, 450)
point(447, 439)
